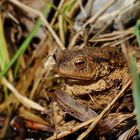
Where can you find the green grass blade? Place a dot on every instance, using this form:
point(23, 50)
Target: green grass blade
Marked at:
point(25, 44)
point(137, 32)
point(136, 88)
point(68, 7)
point(4, 59)
point(3, 47)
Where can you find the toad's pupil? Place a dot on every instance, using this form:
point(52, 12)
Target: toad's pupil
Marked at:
point(80, 64)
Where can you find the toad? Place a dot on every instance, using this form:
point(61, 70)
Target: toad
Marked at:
point(92, 76)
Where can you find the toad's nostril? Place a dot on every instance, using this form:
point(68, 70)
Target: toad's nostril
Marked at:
point(54, 56)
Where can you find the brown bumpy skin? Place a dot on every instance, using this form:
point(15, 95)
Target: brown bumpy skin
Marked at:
point(93, 76)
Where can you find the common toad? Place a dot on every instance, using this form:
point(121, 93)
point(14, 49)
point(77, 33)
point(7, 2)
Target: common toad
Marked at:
point(93, 76)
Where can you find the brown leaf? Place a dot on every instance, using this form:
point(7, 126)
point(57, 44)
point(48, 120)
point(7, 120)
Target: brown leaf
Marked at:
point(112, 121)
point(72, 107)
point(127, 134)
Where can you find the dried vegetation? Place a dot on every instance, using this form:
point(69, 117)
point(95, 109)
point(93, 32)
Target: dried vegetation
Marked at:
point(30, 32)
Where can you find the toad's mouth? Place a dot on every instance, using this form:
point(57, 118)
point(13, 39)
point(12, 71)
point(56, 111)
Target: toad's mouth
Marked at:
point(81, 82)
point(76, 76)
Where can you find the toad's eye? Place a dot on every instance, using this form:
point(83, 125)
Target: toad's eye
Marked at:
point(80, 63)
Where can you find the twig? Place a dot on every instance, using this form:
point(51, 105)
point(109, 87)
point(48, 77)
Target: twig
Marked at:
point(57, 12)
point(74, 39)
point(73, 10)
point(95, 17)
point(23, 99)
point(116, 33)
point(84, 134)
point(67, 132)
point(39, 14)
point(82, 8)
point(122, 38)
point(92, 20)
point(120, 41)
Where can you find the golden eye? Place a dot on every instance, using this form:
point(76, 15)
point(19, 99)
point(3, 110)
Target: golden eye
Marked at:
point(80, 63)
